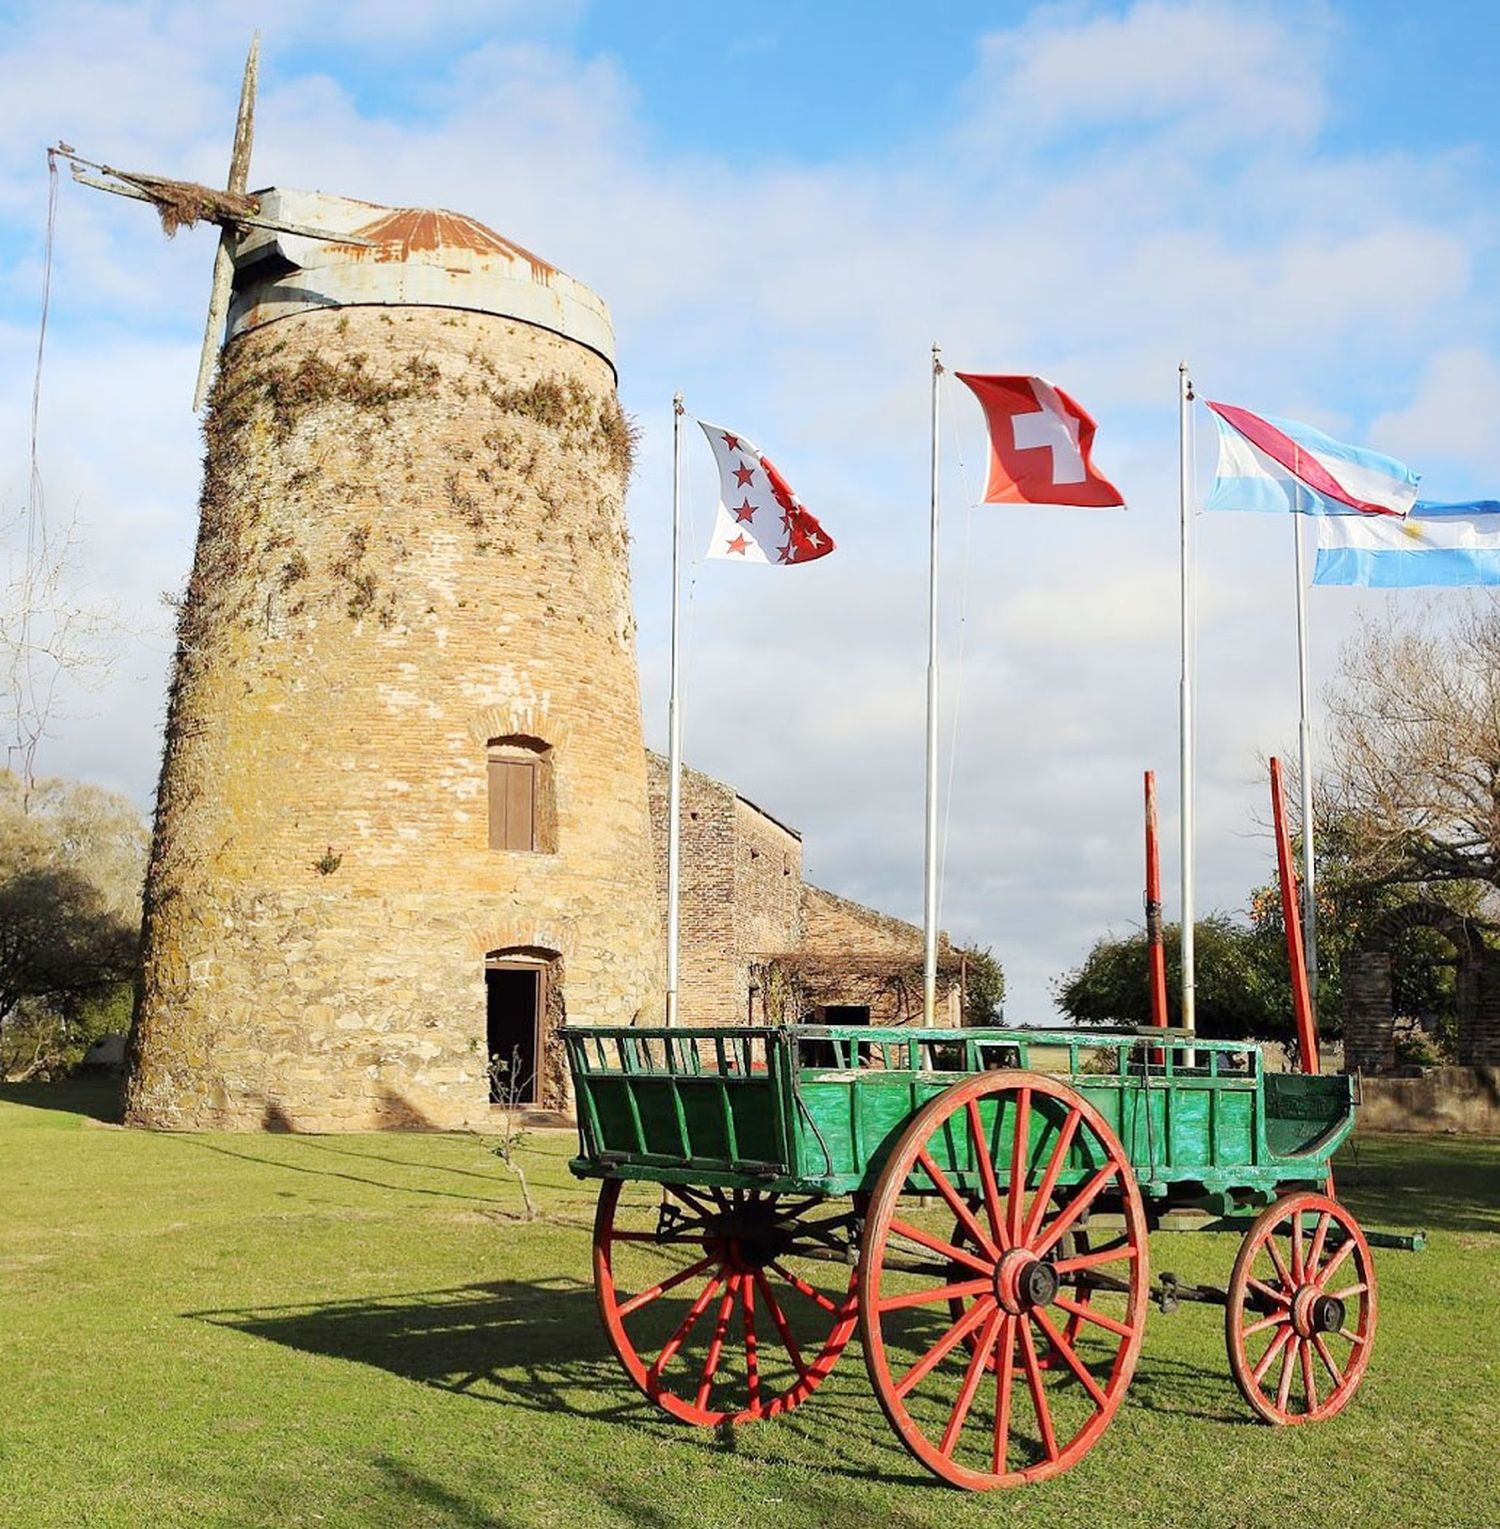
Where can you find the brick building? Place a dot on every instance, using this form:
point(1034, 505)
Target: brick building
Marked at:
point(761, 946)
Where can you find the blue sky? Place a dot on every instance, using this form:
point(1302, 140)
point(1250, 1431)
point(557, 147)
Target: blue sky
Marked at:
point(783, 214)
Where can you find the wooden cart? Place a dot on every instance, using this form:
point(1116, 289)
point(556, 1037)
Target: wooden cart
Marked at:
point(978, 1203)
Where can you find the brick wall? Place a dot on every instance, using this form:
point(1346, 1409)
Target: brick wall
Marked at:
point(745, 912)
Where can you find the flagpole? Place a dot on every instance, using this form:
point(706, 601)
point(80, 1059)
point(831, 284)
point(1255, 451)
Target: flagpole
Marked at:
point(929, 866)
point(674, 722)
point(1185, 701)
point(1304, 745)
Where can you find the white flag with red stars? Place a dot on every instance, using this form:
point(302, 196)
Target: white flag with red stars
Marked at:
point(760, 519)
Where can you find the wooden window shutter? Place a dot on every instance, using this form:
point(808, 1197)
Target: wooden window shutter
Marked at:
point(512, 804)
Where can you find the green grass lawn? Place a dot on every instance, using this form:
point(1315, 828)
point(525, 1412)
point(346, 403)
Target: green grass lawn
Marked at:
point(289, 1330)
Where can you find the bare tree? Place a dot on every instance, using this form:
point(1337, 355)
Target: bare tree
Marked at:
point(510, 1087)
point(50, 637)
point(1414, 772)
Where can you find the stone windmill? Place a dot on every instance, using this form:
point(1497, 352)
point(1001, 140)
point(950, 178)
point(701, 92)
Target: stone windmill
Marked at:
point(401, 829)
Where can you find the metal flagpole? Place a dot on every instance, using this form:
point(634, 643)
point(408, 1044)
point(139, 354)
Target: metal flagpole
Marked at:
point(674, 722)
point(1185, 722)
point(929, 867)
point(1304, 746)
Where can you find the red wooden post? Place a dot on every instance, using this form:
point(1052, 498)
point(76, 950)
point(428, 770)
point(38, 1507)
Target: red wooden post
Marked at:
point(1307, 1032)
point(1155, 953)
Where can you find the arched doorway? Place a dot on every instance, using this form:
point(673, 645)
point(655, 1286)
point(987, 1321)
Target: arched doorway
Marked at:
point(1369, 982)
point(524, 1010)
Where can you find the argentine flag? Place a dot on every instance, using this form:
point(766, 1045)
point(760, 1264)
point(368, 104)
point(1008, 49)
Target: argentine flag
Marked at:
point(1435, 545)
point(1283, 466)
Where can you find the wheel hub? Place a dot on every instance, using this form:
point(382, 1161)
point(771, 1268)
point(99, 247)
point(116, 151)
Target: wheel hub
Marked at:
point(748, 1238)
point(1314, 1313)
point(1024, 1281)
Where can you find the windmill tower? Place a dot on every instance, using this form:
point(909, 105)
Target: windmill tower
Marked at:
point(402, 826)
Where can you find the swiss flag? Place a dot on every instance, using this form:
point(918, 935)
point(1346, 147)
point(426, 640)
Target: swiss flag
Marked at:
point(1040, 441)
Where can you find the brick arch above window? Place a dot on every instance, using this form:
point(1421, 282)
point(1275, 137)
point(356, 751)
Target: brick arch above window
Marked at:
point(522, 794)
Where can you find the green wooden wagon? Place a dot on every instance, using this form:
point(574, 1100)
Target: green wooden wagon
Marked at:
point(978, 1203)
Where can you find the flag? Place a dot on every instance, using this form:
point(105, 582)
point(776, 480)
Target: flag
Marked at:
point(1436, 544)
point(760, 519)
point(1281, 465)
point(1040, 441)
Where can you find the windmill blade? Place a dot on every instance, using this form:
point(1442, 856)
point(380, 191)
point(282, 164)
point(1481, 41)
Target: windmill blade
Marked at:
point(239, 179)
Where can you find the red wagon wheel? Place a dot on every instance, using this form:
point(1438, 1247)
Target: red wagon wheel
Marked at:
point(723, 1304)
point(1037, 1158)
point(1300, 1320)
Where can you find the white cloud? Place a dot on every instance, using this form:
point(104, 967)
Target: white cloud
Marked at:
point(1451, 419)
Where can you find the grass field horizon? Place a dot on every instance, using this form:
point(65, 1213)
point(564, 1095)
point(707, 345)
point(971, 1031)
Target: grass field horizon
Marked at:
point(360, 1330)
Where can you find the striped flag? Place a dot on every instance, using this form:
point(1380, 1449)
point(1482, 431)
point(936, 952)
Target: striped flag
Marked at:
point(1281, 465)
point(1435, 545)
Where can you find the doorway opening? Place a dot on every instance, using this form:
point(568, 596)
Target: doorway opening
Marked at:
point(515, 1000)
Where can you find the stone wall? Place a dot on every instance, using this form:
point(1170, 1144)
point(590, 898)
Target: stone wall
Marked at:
point(412, 542)
point(1462, 1100)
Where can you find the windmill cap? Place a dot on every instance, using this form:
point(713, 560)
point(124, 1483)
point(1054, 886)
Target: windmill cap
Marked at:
point(404, 256)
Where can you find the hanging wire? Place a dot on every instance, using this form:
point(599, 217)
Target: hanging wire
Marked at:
point(35, 501)
point(963, 617)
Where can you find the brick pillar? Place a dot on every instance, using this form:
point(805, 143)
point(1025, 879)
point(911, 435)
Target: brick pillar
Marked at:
point(1479, 1011)
point(1369, 1028)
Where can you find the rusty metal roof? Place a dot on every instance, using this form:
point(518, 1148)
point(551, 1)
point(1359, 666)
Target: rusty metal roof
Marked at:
point(424, 256)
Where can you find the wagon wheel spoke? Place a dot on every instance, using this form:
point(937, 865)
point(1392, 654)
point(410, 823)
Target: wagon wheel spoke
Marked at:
point(1038, 1391)
point(688, 1323)
point(689, 1198)
point(1276, 1319)
point(1098, 1318)
point(940, 1350)
point(752, 1358)
point(1004, 1375)
point(1334, 1263)
point(1321, 1344)
point(987, 1175)
point(680, 1278)
point(716, 1343)
point(1075, 1207)
point(1074, 1363)
point(1269, 1292)
point(936, 1244)
point(1049, 1177)
point(1315, 1253)
point(1309, 1386)
point(1284, 1385)
point(957, 1204)
point(803, 1288)
point(959, 1292)
point(1094, 1259)
point(972, 1376)
point(1278, 1343)
point(1020, 1152)
point(783, 1327)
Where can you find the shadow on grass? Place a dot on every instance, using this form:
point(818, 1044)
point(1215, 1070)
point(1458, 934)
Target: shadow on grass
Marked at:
point(95, 1098)
point(282, 1159)
point(537, 1345)
point(1437, 1183)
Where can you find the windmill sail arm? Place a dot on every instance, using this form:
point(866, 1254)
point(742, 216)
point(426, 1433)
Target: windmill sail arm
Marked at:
point(216, 208)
